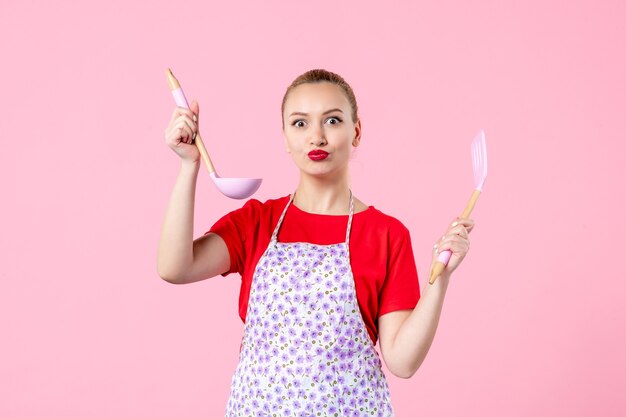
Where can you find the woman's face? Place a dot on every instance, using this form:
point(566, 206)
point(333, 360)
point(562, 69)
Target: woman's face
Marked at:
point(318, 117)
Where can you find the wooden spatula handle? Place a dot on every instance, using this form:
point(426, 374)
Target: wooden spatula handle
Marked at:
point(470, 205)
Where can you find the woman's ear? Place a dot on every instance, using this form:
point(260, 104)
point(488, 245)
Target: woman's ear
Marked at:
point(357, 131)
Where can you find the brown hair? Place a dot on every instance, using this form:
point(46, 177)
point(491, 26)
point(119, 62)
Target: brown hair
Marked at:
point(321, 75)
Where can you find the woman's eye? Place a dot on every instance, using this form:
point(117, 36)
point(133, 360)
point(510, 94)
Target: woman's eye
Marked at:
point(334, 120)
point(298, 123)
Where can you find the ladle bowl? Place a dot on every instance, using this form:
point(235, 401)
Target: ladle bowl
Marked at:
point(237, 188)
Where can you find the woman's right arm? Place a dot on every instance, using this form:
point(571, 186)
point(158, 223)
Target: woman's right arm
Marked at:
point(180, 259)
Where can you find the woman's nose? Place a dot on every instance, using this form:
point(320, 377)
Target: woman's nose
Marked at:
point(317, 136)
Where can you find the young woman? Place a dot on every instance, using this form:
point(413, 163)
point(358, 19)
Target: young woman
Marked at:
point(324, 275)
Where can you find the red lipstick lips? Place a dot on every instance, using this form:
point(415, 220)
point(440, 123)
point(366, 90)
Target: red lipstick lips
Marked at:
point(318, 155)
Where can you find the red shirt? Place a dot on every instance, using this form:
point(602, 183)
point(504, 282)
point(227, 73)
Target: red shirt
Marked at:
point(381, 254)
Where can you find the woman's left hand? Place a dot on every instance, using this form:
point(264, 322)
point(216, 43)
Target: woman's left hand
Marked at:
point(456, 241)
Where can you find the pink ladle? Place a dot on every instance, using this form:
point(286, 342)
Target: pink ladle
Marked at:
point(237, 188)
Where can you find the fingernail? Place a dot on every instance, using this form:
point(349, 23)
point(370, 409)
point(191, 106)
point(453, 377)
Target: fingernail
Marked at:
point(454, 224)
point(195, 119)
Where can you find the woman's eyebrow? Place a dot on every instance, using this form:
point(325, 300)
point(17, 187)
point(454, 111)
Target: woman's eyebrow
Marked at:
point(306, 114)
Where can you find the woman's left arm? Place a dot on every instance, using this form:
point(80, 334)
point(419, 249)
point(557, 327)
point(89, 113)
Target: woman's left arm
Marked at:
point(406, 335)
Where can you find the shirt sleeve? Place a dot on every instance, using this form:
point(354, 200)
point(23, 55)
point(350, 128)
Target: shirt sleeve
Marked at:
point(234, 228)
point(401, 287)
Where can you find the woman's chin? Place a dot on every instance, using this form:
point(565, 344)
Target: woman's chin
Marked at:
point(319, 172)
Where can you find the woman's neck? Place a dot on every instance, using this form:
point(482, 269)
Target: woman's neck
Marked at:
point(318, 196)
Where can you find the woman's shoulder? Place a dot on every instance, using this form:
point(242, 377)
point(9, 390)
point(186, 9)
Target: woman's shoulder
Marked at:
point(254, 205)
point(379, 219)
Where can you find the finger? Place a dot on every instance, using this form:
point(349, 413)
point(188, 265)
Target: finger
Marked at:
point(184, 131)
point(179, 131)
point(179, 111)
point(467, 223)
point(460, 231)
point(456, 237)
point(457, 230)
point(453, 238)
point(188, 134)
point(464, 241)
point(173, 134)
point(195, 108)
point(456, 246)
point(442, 242)
point(193, 126)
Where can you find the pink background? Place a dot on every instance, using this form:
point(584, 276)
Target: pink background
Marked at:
point(533, 322)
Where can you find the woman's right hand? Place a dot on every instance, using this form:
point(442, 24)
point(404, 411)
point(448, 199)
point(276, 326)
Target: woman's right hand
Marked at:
point(182, 130)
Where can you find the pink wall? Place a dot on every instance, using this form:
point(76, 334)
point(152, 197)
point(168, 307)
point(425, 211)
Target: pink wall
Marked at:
point(533, 322)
